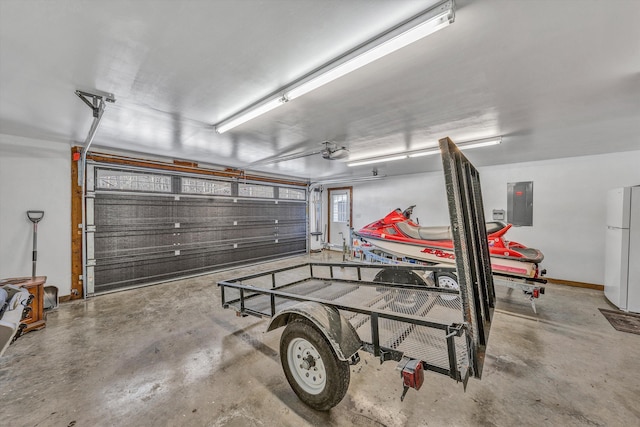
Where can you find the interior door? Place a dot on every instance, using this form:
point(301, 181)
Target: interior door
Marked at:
point(340, 211)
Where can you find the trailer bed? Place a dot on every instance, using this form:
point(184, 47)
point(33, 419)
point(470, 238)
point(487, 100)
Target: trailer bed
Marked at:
point(409, 320)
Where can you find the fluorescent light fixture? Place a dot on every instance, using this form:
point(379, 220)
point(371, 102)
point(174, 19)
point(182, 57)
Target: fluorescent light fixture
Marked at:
point(430, 22)
point(377, 160)
point(250, 114)
point(462, 146)
point(396, 38)
point(430, 151)
point(347, 179)
point(480, 143)
point(425, 153)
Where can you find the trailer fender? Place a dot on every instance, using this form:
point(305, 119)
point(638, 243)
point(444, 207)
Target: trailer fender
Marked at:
point(340, 334)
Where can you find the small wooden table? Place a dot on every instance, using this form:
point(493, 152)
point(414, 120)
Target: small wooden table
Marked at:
point(35, 286)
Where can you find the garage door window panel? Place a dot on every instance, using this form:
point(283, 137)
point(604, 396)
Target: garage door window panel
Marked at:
point(117, 180)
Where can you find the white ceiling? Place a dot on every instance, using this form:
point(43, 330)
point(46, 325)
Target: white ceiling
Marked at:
point(555, 78)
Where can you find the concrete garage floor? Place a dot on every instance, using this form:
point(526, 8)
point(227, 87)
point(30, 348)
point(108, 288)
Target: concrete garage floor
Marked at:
point(170, 355)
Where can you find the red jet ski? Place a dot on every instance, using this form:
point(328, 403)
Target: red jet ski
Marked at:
point(397, 234)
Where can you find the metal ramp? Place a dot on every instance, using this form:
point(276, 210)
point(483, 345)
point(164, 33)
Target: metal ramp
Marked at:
point(473, 266)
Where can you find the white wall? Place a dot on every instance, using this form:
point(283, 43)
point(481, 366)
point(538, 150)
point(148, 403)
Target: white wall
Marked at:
point(568, 203)
point(35, 175)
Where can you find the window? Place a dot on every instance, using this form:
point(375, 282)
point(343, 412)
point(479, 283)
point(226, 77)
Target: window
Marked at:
point(255, 190)
point(292, 193)
point(107, 179)
point(205, 186)
point(340, 208)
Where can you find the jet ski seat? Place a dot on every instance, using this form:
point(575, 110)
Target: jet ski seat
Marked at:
point(425, 233)
point(435, 233)
point(495, 226)
point(440, 232)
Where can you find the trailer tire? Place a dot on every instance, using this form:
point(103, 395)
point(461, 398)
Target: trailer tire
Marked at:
point(312, 369)
point(448, 281)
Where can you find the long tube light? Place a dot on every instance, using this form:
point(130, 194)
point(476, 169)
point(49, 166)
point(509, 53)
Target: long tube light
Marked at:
point(377, 160)
point(396, 38)
point(347, 180)
point(480, 143)
point(428, 152)
point(251, 114)
point(462, 146)
point(425, 153)
point(430, 22)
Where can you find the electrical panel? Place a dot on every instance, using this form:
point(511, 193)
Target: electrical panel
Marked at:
point(520, 203)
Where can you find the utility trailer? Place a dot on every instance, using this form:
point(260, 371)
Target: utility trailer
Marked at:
point(333, 311)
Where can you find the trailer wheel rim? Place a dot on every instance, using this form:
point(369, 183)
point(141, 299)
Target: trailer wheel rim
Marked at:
point(448, 283)
point(306, 366)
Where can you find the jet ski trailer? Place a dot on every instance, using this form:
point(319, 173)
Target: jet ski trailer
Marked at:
point(332, 312)
point(532, 288)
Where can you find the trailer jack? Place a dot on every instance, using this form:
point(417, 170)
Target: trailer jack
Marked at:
point(412, 374)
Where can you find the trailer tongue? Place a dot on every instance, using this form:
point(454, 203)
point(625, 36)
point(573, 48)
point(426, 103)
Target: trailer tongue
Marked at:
point(333, 311)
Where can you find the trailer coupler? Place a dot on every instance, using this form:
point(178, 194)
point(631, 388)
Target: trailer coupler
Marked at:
point(412, 374)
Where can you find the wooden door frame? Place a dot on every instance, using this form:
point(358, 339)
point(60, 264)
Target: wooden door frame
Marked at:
point(329, 205)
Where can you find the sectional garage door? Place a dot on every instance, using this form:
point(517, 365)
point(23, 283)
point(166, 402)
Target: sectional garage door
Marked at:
point(145, 227)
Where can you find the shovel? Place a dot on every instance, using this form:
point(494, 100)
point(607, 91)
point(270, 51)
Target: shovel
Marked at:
point(35, 217)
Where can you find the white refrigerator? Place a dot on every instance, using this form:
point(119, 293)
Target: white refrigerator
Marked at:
point(622, 249)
